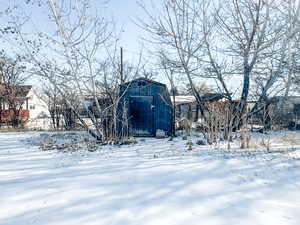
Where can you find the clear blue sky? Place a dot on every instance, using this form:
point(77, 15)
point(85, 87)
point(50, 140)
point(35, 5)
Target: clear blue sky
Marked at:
point(125, 12)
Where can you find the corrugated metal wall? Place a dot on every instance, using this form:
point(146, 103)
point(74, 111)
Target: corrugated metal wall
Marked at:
point(161, 110)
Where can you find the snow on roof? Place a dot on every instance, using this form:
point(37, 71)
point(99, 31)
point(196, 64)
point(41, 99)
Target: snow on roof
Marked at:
point(183, 99)
point(188, 99)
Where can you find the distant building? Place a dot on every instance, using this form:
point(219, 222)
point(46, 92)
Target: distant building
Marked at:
point(284, 111)
point(289, 105)
point(23, 102)
point(187, 106)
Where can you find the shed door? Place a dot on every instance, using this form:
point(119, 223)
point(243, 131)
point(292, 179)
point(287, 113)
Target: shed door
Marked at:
point(141, 116)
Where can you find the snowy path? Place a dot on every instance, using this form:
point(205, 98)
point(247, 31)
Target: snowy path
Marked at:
point(155, 182)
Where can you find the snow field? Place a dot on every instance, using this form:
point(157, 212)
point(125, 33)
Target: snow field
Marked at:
point(155, 182)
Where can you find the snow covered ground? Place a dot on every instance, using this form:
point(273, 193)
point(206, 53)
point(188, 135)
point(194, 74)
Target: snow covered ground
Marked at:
point(155, 182)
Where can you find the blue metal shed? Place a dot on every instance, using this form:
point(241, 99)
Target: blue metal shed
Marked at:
point(145, 108)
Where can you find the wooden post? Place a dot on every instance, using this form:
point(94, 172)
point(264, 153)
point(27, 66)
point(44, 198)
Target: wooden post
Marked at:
point(121, 67)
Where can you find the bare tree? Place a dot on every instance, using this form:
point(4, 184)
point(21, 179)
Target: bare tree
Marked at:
point(224, 41)
point(61, 114)
point(12, 90)
point(174, 29)
point(79, 43)
point(86, 63)
point(171, 76)
point(53, 100)
point(280, 62)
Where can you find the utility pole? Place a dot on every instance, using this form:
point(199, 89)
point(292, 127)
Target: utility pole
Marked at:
point(121, 67)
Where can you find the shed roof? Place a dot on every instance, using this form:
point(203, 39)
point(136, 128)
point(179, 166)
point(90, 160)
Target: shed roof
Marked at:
point(143, 79)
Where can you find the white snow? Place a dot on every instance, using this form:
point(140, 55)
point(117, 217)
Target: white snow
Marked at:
point(183, 99)
point(155, 182)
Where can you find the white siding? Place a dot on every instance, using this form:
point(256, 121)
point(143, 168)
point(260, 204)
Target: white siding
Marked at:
point(38, 112)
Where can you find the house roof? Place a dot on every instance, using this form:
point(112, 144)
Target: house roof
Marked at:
point(17, 91)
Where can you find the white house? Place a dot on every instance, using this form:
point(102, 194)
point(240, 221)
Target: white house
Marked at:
point(39, 115)
point(33, 108)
